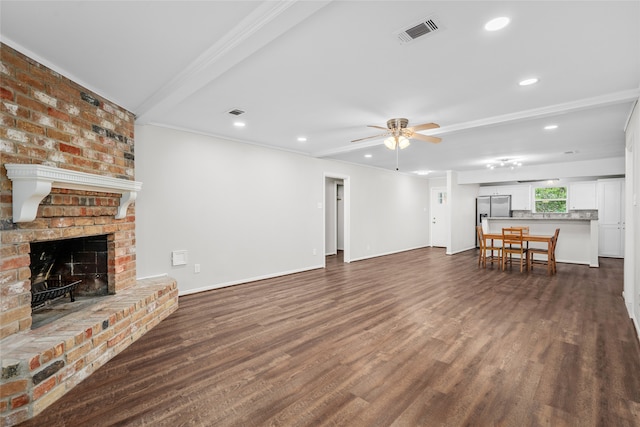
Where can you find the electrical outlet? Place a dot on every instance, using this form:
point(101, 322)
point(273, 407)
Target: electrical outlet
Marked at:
point(196, 268)
point(315, 252)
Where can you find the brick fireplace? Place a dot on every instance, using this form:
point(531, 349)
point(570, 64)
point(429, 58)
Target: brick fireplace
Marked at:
point(60, 128)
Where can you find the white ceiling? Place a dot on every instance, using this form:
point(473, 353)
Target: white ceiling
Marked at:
point(326, 69)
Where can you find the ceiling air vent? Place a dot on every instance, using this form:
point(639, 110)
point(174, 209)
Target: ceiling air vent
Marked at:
point(236, 112)
point(428, 25)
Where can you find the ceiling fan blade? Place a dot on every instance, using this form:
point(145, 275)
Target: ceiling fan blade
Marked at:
point(425, 126)
point(370, 137)
point(377, 127)
point(427, 138)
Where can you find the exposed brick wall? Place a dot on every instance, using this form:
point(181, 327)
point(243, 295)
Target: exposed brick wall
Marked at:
point(41, 366)
point(48, 119)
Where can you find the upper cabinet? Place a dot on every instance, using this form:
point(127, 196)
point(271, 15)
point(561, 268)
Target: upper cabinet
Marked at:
point(490, 191)
point(520, 195)
point(583, 195)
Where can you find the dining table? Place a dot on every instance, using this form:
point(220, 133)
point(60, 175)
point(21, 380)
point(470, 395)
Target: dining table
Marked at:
point(548, 239)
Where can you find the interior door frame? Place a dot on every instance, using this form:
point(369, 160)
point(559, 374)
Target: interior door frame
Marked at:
point(346, 180)
point(338, 184)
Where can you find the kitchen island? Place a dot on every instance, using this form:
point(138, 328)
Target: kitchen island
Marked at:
point(577, 242)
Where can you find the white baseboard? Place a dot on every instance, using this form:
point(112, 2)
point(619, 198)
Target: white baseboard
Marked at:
point(154, 276)
point(241, 281)
point(386, 253)
point(461, 250)
point(629, 308)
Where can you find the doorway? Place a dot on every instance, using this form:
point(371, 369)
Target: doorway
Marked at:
point(439, 217)
point(336, 216)
point(340, 215)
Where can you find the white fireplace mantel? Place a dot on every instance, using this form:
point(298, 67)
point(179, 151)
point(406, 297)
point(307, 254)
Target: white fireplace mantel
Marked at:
point(32, 183)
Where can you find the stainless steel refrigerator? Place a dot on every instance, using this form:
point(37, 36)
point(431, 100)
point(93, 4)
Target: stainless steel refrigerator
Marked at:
point(492, 206)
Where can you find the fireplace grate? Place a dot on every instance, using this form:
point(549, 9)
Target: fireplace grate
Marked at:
point(51, 289)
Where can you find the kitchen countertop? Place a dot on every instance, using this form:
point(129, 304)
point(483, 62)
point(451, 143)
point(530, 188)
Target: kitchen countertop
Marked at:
point(537, 218)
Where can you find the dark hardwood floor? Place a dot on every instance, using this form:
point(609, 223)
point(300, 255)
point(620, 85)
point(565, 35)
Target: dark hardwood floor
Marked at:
point(412, 339)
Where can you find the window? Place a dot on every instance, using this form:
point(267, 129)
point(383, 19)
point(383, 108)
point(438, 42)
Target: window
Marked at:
point(442, 198)
point(551, 199)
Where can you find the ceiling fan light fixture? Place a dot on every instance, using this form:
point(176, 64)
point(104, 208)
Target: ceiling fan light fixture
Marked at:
point(399, 141)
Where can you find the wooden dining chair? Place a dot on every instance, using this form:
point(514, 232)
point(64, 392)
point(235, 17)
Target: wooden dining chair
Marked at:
point(513, 244)
point(524, 228)
point(550, 255)
point(487, 250)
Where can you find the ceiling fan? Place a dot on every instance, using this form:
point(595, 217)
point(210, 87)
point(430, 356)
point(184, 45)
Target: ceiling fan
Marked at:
point(398, 134)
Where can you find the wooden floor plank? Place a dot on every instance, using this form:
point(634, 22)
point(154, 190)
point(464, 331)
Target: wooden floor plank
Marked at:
point(412, 339)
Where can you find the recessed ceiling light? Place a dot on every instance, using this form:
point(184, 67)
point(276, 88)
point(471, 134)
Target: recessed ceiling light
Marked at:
point(239, 124)
point(497, 23)
point(527, 82)
point(368, 156)
point(302, 139)
point(551, 127)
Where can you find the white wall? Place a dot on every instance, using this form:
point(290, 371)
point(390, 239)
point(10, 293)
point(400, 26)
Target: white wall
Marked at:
point(245, 212)
point(388, 210)
point(437, 182)
point(632, 214)
point(463, 214)
point(340, 215)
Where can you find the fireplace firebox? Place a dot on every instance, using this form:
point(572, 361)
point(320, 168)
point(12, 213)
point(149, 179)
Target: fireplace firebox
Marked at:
point(70, 267)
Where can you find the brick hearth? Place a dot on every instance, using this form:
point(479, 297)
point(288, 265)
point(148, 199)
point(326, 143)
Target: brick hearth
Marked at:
point(47, 119)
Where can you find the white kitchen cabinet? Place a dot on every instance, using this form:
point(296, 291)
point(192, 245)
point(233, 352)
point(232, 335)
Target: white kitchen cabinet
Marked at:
point(496, 190)
point(520, 195)
point(583, 195)
point(611, 219)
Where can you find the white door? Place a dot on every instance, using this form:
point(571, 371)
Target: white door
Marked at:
point(611, 218)
point(439, 217)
